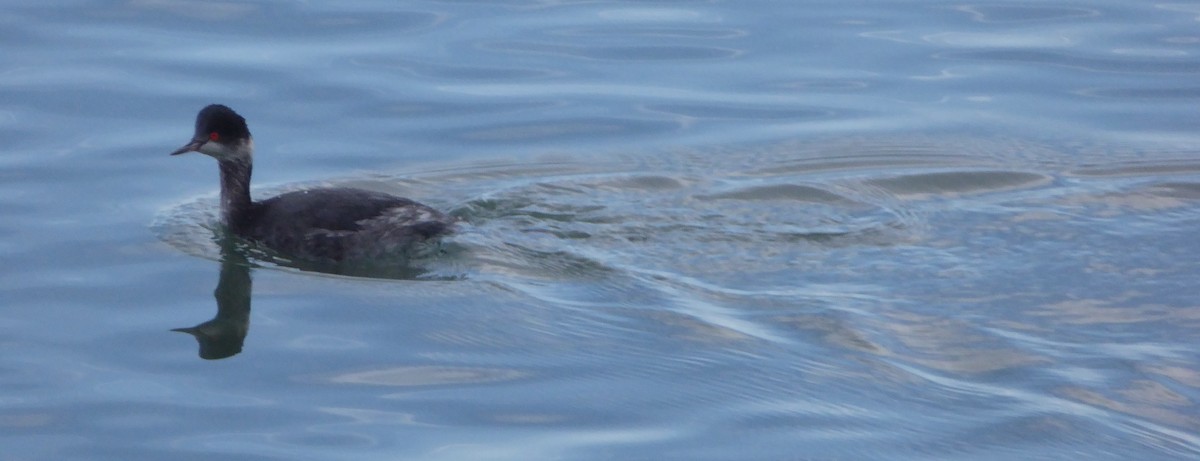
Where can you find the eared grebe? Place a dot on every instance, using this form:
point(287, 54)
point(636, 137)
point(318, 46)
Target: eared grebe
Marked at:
point(327, 224)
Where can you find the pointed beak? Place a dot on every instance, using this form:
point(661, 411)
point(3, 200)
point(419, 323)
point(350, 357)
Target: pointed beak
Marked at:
point(190, 147)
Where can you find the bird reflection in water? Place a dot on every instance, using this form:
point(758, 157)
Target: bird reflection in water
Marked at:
point(222, 336)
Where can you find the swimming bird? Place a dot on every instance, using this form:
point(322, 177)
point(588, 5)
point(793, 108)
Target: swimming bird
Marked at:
point(324, 224)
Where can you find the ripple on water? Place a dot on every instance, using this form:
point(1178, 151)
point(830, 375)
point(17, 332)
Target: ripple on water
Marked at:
point(1142, 93)
point(441, 72)
point(618, 53)
point(1091, 63)
point(578, 128)
point(734, 111)
point(425, 376)
point(669, 32)
point(953, 183)
point(796, 192)
point(1002, 13)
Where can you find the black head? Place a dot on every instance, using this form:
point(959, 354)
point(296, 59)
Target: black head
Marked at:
point(219, 132)
point(220, 123)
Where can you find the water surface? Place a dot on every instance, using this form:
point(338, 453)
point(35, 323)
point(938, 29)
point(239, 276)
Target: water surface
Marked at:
point(692, 230)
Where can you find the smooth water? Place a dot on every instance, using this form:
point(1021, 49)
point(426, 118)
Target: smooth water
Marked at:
point(691, 230)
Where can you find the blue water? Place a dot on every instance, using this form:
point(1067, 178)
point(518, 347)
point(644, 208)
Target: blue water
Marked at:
point(692, 230)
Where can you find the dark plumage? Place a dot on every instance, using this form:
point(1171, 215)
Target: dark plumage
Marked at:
point(327, 224)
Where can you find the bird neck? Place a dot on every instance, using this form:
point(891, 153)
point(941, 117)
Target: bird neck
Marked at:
point(235, 192)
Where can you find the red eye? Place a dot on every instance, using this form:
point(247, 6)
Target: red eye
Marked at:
point(214, 136)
